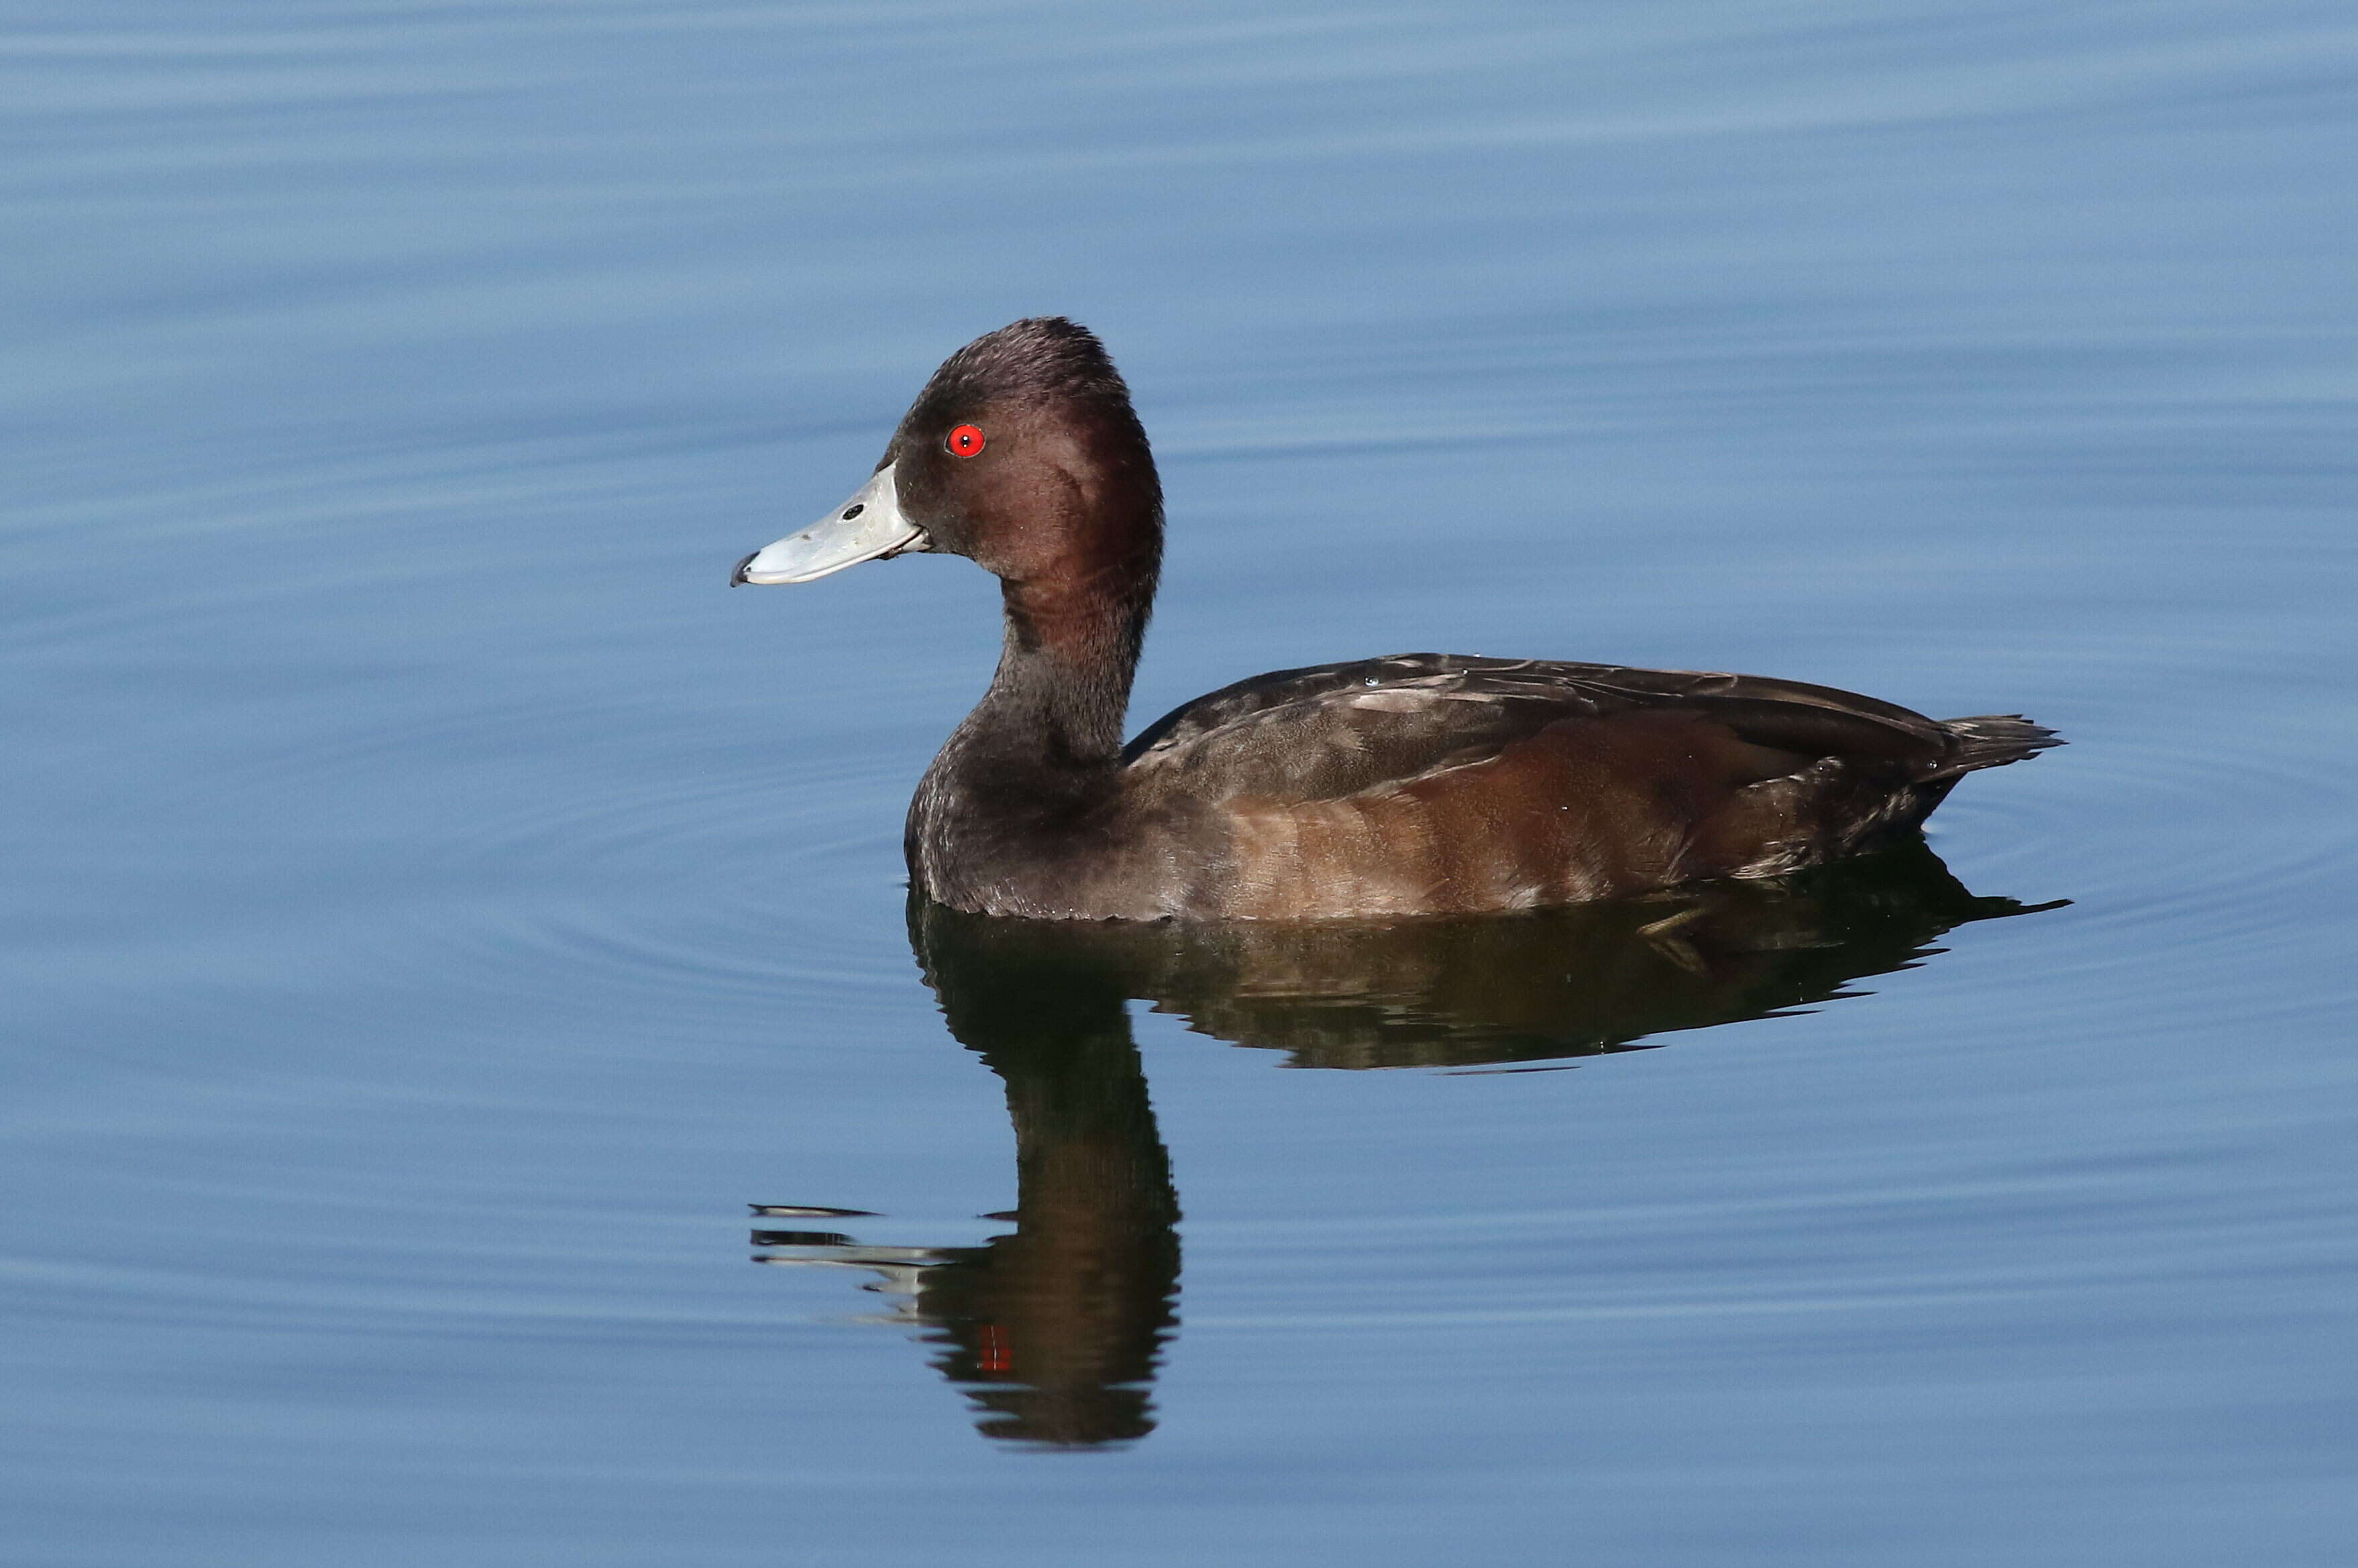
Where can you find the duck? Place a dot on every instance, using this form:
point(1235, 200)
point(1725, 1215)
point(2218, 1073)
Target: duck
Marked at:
point(1405, 786)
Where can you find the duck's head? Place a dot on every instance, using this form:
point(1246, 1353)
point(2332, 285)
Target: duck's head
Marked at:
point(1022, 453)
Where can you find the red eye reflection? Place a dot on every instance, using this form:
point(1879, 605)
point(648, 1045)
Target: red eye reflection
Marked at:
point(966, 441)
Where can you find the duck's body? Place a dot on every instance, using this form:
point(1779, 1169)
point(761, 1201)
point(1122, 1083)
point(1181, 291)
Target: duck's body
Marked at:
point(1423, 784)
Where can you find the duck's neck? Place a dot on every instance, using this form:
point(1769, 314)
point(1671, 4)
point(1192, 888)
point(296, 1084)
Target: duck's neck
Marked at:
point(1065, 671)
point(1045, 740)
point(1023, 797)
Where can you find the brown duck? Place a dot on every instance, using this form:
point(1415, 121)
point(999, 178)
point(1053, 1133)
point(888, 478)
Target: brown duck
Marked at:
point(1421, 784)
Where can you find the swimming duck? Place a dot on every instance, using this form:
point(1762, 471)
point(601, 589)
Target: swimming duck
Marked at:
point(1419, 783)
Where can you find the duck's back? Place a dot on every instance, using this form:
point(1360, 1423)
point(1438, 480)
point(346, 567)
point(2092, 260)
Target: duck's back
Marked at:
point(1437, 784)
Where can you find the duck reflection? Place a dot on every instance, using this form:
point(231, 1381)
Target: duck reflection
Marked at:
point(1055, 1330)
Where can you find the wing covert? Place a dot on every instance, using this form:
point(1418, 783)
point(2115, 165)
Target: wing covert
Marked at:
point(1334, 729)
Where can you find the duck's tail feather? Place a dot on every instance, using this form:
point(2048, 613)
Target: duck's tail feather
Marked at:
point(1991, 740)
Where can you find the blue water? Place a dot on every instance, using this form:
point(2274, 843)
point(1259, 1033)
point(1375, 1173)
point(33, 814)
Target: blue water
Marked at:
point(434, 908)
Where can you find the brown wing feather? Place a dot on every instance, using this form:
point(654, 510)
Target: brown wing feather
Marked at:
point(1326, 732)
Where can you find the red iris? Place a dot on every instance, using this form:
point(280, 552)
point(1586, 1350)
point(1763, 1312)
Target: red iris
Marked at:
point(966, 441)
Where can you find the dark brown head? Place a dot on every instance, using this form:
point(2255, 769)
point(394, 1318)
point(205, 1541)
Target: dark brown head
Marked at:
point(1022, 453)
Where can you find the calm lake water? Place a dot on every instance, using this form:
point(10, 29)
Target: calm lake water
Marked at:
point(435, 908)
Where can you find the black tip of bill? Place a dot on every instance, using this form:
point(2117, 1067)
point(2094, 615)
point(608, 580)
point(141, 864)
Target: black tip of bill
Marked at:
point(736, 577)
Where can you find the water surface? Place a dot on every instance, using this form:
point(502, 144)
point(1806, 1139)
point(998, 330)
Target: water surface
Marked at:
point(435, 908)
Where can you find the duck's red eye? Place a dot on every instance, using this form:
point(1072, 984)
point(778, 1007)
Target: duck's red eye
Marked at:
point(966, 441)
